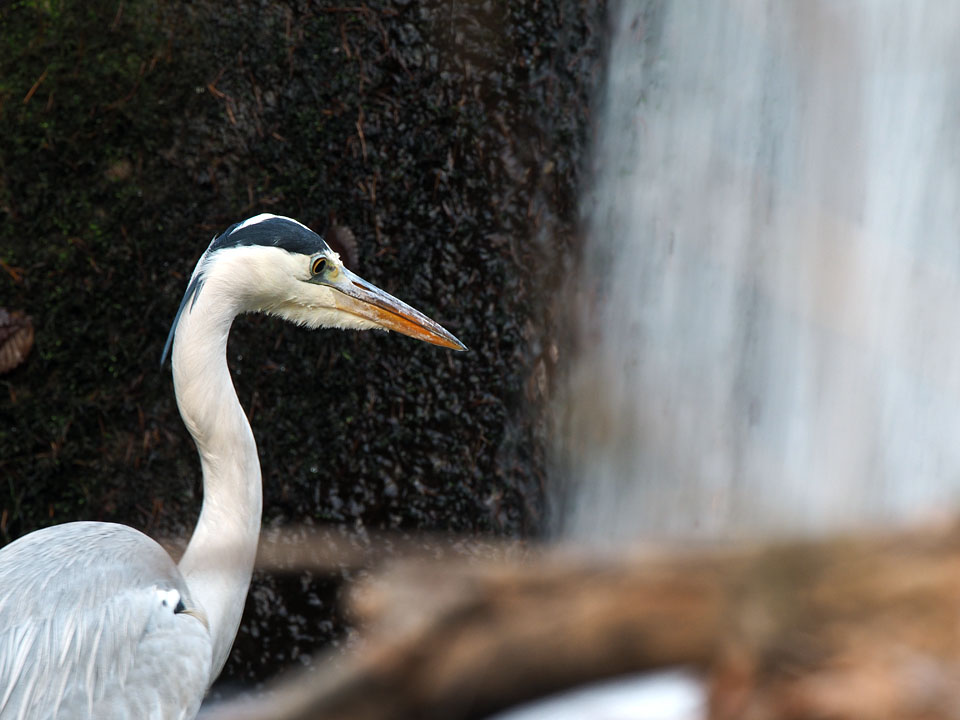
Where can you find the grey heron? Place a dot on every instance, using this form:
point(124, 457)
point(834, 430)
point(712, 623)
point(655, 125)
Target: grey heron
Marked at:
point(96, 619)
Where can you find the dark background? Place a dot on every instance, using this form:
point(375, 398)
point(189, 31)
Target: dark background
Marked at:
point(447, 135)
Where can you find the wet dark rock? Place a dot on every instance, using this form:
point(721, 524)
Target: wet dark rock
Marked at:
point(447, 135)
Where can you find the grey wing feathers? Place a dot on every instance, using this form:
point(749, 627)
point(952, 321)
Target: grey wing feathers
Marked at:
point(89, 628)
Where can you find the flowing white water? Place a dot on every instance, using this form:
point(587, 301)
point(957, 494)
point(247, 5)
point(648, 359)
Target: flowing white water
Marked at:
point(772, 277)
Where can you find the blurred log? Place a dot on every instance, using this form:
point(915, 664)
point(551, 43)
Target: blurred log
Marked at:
point(848, 628)
point(858, 628)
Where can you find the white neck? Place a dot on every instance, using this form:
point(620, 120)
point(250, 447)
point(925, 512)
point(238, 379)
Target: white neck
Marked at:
point(218, 562)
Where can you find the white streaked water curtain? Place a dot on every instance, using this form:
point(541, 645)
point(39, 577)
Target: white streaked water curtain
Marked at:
point(770, 293)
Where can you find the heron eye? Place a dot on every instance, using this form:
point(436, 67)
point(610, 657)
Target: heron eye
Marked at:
point(318, 265)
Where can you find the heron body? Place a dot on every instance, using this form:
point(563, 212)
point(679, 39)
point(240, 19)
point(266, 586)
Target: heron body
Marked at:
point(96, 619)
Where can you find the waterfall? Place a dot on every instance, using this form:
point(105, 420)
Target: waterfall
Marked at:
point(768, 304)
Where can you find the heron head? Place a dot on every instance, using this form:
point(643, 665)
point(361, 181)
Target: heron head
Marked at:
point(278, 266)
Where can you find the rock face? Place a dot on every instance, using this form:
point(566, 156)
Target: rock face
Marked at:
point(446, 135)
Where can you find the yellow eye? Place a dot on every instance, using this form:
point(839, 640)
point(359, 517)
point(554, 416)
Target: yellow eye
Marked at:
point(319, 264)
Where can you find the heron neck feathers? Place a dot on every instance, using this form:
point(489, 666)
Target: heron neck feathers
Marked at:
point(218, 562)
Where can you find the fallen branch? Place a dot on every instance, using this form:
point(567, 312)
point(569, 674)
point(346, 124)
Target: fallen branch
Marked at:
point(848, 628)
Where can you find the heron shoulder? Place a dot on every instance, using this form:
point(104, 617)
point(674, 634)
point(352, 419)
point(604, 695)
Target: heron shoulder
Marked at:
point(91, 626)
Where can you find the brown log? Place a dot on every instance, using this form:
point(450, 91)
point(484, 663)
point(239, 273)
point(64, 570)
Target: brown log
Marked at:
point(847, 628)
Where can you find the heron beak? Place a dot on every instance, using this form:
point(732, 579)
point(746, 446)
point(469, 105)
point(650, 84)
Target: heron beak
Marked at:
point(358, 297)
